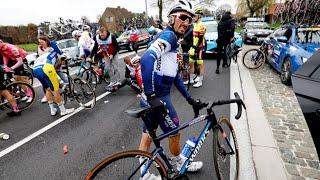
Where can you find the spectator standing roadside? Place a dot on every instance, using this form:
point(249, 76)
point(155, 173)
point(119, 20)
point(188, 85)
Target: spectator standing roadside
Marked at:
point(226, 28)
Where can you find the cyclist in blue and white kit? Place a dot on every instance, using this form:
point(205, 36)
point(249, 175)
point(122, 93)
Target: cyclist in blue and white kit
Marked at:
point(159, 68)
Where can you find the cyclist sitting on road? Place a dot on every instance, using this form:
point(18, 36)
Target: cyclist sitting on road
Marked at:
point(132, 75)
point(196, 50)
point(44, 70)
point(15, 57)
point(108, 47)
point(159, 69)
point(6, 94)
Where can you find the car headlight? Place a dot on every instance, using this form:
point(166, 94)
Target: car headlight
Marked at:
point(304, 59)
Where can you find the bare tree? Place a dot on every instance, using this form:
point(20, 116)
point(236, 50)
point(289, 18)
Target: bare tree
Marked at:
point(252, 6)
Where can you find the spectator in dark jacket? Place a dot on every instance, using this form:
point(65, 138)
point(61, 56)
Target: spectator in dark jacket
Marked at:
point(226, 28)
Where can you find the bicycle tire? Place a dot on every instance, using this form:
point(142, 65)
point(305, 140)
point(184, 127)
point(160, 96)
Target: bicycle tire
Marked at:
point(90, 76)
point(257, 59)
point(17, 91)
point(29, 74)
point(84, 94)
point(110, 162)
point(228, 57)
point(222, 151)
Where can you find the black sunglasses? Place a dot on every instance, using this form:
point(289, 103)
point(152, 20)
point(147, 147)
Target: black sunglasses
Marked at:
point(184, 18)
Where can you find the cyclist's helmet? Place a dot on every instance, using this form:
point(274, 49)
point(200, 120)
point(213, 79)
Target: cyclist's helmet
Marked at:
point(76, 33)
point(181, 5)
point(135, 60)
point(198, 11)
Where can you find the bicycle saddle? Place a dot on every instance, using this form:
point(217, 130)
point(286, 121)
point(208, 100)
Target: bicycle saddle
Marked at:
point(137, 112)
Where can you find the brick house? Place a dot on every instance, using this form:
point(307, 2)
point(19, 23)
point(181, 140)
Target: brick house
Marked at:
point(116, 19)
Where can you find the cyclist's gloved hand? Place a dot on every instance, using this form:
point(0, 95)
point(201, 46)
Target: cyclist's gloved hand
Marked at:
point(155, 103)
point(196, 105)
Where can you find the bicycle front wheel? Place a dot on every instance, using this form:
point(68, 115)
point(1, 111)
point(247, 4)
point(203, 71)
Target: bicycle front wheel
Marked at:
point(23, 93)
point(225, 151)
point(91, 77)
point(253, 59)
point(84, 94)
point(128, 165)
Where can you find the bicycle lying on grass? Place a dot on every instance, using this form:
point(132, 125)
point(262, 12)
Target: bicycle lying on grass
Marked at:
point(126, 165)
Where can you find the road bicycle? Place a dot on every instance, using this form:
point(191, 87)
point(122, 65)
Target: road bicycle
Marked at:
point(77, 89)
point(139, 164)
point(93, 72)
point(255, 58)
point(232, 51)
point(18, 90)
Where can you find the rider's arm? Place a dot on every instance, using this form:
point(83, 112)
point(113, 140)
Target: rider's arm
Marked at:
point(16, 54)
point(181, 87)
point(94, 49)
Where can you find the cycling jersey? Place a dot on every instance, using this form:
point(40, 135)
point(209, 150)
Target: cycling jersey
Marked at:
point(12, 53)
point(106, 46)
point(44, 68)
point(159, 66)
point(85, 44)
point(199, 30)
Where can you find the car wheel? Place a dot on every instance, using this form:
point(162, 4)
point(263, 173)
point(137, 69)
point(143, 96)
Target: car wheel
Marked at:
point(286, 71)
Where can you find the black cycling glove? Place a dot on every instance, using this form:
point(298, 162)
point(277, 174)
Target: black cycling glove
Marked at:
point(196, 105)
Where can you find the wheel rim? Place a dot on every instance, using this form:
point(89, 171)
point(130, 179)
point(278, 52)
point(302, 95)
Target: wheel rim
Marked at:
point(286, 70)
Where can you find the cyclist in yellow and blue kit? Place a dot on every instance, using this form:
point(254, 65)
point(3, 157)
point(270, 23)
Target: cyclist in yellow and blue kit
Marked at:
point(44, 70)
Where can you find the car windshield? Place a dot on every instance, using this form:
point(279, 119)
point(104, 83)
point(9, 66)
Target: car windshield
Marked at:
point(308, 36)
point(257, 25)
point(124, 35)
point(67, 44)
point(212, 26)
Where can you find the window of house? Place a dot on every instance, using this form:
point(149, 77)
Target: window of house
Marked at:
point(109, 19)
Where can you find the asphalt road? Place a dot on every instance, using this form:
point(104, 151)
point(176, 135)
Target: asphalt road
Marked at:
point(94, 134)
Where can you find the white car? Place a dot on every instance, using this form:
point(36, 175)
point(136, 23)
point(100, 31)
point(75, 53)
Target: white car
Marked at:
point(68, 46)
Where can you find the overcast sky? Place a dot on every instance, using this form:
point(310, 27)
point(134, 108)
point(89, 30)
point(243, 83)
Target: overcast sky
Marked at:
point(16, 12)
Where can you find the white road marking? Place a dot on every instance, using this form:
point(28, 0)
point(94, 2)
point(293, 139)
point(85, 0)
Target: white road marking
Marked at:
point(44, 129)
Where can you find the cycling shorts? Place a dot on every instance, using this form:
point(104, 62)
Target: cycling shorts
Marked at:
point(48, 76)
point(2, 83)
point(167, 123)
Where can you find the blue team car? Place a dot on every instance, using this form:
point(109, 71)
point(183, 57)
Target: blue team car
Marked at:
point(289, 47)
point(211, 35)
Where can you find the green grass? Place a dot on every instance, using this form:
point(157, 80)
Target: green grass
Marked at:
point(29, 47)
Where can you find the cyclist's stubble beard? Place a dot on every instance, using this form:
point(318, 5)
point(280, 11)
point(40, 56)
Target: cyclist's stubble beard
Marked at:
point(180, 27)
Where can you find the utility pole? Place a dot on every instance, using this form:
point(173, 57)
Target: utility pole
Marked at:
point(146, 8)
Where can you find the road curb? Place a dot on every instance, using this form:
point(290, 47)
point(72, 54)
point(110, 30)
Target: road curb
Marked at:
point(265, 153)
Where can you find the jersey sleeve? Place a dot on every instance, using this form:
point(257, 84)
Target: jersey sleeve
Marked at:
point(178, 82)
point(163, 44)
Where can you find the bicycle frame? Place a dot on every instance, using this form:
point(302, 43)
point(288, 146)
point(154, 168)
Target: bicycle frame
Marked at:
point(158, 151)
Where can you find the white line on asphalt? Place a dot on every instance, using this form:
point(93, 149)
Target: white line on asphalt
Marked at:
point(44, 129)
point(120, 56)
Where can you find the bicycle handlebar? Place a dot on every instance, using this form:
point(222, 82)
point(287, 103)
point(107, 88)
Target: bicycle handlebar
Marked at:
point(237, 100)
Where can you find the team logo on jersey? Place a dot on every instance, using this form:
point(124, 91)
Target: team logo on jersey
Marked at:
point(162, 46)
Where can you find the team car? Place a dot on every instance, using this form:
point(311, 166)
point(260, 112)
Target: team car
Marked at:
point(289, 47)
point(256, 32)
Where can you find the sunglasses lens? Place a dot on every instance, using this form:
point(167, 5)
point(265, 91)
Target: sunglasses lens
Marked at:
point(185, 17)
